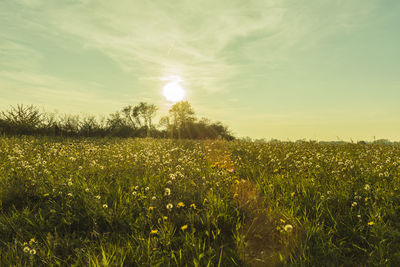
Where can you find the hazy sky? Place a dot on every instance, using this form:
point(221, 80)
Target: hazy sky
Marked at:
point(286, 69)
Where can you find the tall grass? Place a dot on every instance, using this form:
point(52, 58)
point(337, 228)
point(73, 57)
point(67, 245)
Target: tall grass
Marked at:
point(145, 202)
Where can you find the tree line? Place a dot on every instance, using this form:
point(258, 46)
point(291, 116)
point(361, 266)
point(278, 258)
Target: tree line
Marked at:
point(131, 121)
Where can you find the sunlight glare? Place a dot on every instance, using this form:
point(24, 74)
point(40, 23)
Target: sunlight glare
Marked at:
point(173, 92)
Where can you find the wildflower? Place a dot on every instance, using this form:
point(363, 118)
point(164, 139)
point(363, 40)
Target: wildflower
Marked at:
point(169, 206)
point(354, 204)
point(69, 194)
point(367, 187)
point(193, 206)
point(167, 191)
point(153, 198)
point(87, 190)
point(180, 205)
point(183, 228)
point(235, 195)
point(136, 187)
point(98, 197)
point(165, 218)
point(153, 232)
point(371, 223)
point(292, 194)
point(134, 193)
point(105, 206)
point(53, 211)
point(69, 183)
point(26, 249)
point(359, 216)
point(288, 228)
point(32, 241)
point(46, 195)
point(151, 208)
point(32, 251)
point(282, 220)
point(147, 188)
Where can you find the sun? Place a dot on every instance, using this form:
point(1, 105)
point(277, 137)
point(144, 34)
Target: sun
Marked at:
point(173, 91)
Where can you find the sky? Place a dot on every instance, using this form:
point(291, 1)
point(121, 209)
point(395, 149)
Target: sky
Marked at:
point(284, 69)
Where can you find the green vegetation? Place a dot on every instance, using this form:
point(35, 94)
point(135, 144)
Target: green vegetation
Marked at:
point(131, 121)
point(147, 202)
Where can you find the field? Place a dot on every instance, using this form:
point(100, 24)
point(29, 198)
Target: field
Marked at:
point(146, 202)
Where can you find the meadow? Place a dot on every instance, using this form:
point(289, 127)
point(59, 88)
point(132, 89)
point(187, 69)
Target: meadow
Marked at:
point(149, 202)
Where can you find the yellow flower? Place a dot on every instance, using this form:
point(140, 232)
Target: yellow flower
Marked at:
point(282, 221)
point(235, 195)
point(165, 218)
point(153, 232)
point(32, 251)
point(193, 206)
point(46, 195)
point(169, 206)
point(32, 241)
point(180, 205)
point(371, 223)
point(183, 228)
point(26, 249)
point(151, 208)
point(292, 194)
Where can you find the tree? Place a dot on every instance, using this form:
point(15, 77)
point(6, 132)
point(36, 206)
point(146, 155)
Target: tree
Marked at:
point(182, 115)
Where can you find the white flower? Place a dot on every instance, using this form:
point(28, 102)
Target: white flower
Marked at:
point(153, 198)
point(69, 194)
point(169, 206)
point(288, 228)
point(98, 197)
point(354, 204)
point(167, 191)
point(147, 188)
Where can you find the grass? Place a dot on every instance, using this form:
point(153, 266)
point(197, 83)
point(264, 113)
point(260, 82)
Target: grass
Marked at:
point(145, 202)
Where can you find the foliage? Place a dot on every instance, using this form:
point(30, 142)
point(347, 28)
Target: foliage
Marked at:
point(131, 121)
point(147, 202)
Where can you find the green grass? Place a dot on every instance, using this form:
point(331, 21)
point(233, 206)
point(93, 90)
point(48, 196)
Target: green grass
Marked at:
point(103, 202)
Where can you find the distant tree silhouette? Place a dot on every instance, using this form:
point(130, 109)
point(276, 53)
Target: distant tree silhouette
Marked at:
point(130, 121)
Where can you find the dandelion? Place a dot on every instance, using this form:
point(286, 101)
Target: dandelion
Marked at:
point(288, 228)
point(183, 228)
point(169, 206)
point(371, 223)
point(167, 191)
point(180, 205)
point(153, 232)
point(32, 241)
point(105, 206)
point(193, 206)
